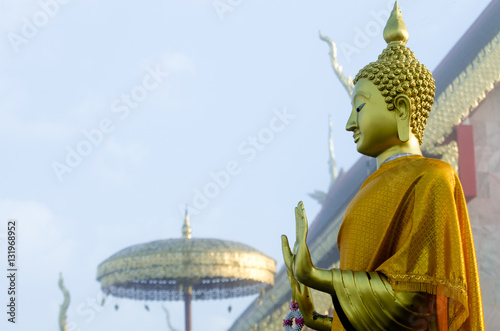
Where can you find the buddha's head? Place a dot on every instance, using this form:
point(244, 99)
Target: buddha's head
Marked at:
point(392, 96)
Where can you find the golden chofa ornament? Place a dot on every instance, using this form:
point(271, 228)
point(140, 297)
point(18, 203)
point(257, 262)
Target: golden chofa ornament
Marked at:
point(398, 71)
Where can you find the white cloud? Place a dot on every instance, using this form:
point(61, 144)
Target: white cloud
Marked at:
point(12, 12)
point(13, 127)
point(33, 217)
point(113, 165)
point(176, 62)
point(90, 109)
point(41, 238)
point(171, 62)
point(134, 152)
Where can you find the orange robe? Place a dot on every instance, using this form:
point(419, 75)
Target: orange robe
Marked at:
point(409, 221)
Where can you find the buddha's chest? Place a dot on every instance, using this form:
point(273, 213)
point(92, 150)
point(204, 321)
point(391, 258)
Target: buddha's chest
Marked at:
point(371, 225)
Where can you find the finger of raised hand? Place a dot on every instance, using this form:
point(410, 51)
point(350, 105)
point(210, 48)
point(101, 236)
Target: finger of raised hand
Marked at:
point(301, 222)
point(293, 284)
point(287, 253)
point(291, 279)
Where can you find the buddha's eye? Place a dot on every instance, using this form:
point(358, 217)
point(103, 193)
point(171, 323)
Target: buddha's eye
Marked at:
point(360, 107)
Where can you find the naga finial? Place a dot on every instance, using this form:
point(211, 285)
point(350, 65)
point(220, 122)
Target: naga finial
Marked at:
point(64, 307)
point(395, 29)
point(337, 68)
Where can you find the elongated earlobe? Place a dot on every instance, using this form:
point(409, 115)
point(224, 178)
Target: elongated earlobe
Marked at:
point(402, 111)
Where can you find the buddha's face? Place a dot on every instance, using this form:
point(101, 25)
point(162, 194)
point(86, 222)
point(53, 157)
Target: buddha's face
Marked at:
point(373, 125)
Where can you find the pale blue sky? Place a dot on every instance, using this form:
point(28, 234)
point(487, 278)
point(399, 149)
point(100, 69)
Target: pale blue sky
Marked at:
point(250, 88)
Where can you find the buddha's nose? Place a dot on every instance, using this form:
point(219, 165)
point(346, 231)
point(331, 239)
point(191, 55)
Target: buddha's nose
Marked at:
point(352, 122)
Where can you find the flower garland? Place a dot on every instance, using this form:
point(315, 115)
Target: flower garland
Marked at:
point(294, 313)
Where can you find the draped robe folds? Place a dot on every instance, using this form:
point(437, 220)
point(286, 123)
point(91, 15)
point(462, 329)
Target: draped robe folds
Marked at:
point(409, 222)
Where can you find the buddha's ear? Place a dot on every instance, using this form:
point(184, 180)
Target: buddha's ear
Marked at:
point(402, 111)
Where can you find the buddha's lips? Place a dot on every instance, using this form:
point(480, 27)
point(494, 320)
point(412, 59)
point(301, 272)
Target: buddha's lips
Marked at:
point(356, 136)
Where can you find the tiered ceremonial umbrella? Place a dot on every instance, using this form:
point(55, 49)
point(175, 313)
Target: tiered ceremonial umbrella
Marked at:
point(186, 269)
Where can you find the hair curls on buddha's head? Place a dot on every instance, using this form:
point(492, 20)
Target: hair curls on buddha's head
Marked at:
point(397, 71)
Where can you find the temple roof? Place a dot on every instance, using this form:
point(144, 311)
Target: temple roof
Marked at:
point(480, 34)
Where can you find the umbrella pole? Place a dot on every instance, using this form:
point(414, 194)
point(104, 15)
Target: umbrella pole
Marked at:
point(188, 293)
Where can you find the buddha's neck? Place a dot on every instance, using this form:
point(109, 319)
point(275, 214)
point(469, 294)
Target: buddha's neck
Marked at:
point(410, 147)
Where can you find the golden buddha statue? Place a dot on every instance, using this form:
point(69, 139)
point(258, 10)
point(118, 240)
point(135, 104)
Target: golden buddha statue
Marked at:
point(407, 258)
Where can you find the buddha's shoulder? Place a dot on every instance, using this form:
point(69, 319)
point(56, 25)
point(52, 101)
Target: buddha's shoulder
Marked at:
point(435, 168)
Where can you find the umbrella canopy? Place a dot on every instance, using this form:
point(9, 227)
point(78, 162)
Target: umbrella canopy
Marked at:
point(163, 269)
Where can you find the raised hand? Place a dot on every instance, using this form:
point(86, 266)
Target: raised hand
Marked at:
point(300, 293)
point(301, 272)
point(299, 262)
